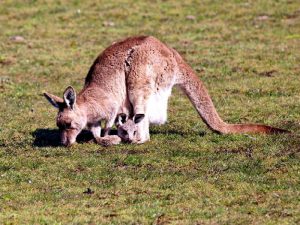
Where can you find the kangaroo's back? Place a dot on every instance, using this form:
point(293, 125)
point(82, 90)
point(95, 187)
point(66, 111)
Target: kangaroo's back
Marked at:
point(106, 78)
point(111, 62)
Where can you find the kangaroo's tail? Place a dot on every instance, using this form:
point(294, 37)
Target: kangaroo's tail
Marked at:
point(197, 93)
point(254, 128)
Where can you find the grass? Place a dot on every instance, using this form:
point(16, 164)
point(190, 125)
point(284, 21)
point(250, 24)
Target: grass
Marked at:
point(246, 52)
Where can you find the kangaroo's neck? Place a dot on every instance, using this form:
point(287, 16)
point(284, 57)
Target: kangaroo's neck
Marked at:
point(94, 104)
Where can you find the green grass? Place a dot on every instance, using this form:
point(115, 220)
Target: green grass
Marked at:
point(246, 52)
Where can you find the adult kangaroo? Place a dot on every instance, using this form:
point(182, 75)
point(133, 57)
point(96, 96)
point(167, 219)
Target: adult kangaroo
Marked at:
point(138, 72)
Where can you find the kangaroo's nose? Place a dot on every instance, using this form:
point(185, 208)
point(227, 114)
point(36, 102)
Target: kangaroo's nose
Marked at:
point(66, 143)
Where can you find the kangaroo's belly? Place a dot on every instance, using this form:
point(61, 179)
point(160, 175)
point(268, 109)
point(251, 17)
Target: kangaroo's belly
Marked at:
point(158, 106)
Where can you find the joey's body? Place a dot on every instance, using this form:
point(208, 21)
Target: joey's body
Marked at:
point(141, 72)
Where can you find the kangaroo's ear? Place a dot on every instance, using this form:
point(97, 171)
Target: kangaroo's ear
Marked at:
point(54, 100)
point(121, 119)
point(138, 118)
point(70, 97)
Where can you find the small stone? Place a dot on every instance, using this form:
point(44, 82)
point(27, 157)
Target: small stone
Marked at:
point(190, 17)
point(17, 38)
point(263, 17)
point(29, 45)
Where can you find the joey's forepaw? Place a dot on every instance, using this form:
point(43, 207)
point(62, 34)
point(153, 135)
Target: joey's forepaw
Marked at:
point(109, 140)
point(140, 141)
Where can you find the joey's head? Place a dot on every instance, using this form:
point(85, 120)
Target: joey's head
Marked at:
point(128, 128)
point(70, 118)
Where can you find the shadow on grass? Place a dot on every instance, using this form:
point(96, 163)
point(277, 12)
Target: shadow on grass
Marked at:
point(51, 137)
point(46, 138)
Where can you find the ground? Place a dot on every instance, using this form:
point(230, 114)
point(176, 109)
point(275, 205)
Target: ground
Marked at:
point(247, 53)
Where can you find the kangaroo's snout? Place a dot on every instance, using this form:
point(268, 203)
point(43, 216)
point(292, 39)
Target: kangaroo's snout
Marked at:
point(67, 143)
point(68, 138)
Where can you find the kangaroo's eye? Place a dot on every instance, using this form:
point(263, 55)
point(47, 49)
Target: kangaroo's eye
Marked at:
point(134, 133)
point(64, 126)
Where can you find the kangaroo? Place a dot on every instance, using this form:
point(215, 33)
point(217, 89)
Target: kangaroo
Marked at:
point(140, 71)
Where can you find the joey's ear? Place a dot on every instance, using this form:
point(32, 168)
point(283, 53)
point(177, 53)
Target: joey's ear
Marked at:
point(70, 97)
point(122, 118)
point(138, 118)
point(54, 100)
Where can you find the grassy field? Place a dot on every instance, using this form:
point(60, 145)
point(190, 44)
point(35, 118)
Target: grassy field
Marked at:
point(246, 52)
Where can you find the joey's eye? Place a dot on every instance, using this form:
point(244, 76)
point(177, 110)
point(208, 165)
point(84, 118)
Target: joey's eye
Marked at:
point(124, 132)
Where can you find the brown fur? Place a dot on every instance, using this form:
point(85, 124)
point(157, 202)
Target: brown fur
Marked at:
point(132, 72)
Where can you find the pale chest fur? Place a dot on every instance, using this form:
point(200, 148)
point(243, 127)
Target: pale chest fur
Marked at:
point(161, 85)
point(158, 106)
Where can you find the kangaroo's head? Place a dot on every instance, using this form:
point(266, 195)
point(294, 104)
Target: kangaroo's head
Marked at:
point(70, 118)
point(128, 128)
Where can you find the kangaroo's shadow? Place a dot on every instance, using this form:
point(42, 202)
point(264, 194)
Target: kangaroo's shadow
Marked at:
point(51, 137)
point(46, 138)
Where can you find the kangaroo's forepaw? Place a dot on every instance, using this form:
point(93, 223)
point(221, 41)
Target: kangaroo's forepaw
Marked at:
point(109, 140)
